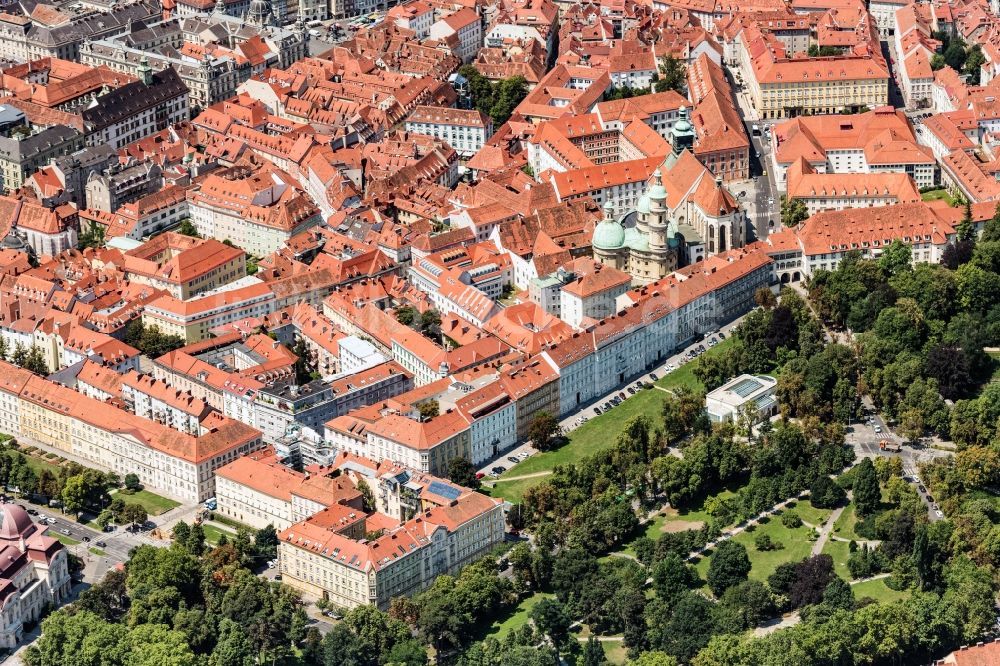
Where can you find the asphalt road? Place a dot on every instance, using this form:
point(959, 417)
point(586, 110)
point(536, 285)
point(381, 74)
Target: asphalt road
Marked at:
point(117, 543)
point(864, 439)
point(765, 212)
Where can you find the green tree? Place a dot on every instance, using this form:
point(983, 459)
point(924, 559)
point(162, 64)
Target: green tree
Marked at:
point(265, 542)
point(180, 532)
point(187, 228)
point(765, 298)
point(653, 658)
point(838, 595)
point(367, 496)
point(672, 577)
point(430, 323)
point(976, 288)
point(80, 639)
point(974, 60)
point(406, 315)
point(553, 620)
point(744, 606)
point(954, 54)
point(673, 75)
point(867, 495)
point(793, 211)
point(730, 566)
point(462, 472)
point(20, 355)
point(74, 494)
point(509, 93)
point(132, 483)
point(593, 653)
point(991, 230)
point(896, 258)
point(135, 514)
point(429, 409)
point(233, 647)
point(683, 629)
point(48, 484)
point(543, 430)
point(94, 236)
point(195, 540)
point(824, 493)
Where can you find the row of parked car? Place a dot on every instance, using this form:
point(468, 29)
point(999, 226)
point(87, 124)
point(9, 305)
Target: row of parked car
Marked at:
point(500, 469)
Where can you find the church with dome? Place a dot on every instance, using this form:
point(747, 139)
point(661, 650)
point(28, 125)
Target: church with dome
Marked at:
point(34, 573)
point(684, 215)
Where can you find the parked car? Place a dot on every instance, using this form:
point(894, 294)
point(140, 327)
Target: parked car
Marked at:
point(32, 512)
point(653, 376)
point(597, 410)
point(722, 336)
point(514, 459)
point(631, 390)
point(930, 498)
point(480, 475)
point(498, 470)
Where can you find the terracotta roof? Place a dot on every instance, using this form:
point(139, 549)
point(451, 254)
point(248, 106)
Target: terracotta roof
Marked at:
point(856, 228)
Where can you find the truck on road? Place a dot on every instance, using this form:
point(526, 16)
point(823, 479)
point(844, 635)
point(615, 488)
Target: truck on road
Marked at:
point(886, 445)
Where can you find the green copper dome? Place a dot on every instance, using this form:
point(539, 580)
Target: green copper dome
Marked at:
point(642, 205)
point(608, 234)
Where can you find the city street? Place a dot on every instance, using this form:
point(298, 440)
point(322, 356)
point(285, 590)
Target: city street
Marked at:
point(762, 203)
point(865, 440)
point(116, 544)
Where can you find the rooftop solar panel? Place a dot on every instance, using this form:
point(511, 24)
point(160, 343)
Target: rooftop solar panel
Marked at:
point(444, 490)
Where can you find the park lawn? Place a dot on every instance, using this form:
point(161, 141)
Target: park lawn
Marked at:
point(518, 617)
point(600, 432)
point(615, 651)
point(995, 357)
point(796, 542)
point(513, 491)
point(653, 530)
point(878, 590)
point(941, 194)
point(844, 527)
point(62, 538)
point(153, 503)
point(37, 465)
point(810, 514)
point(840, 551)
point(212, 534)
point(684, 375)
